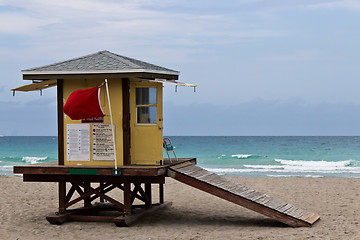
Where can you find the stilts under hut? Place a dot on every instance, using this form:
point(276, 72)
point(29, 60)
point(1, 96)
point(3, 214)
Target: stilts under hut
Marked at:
point(110, 138)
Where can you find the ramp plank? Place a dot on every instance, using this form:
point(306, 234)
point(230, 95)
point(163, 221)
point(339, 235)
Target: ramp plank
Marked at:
point(217, 185)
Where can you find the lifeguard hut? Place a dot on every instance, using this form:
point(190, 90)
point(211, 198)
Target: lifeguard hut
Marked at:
point(110, 137)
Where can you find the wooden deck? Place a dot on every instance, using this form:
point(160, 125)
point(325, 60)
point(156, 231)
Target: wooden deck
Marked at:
point(219, 186)
point(136, 181)
point(52, 172)
point(88, 184)
point(53, 168)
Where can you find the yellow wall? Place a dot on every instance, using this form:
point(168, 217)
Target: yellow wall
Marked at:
point(115, 92)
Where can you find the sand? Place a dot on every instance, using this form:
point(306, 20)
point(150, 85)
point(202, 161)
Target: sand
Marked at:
point(193, 215)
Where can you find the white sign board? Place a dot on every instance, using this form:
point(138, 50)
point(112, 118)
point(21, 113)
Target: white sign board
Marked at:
point(78, 142)
point(102, 142)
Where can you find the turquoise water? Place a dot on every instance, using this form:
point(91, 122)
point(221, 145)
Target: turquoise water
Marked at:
point(274, 156)
point(26, 150)
point(230, 156)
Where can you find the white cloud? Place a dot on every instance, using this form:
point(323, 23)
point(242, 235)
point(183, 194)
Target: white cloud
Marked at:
point(17, 23)
point(61, 21)
point(251, 48)
point(160, 31)
point(352, 5)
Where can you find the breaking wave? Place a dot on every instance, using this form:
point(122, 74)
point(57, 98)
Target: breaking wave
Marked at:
point(33, 160)
point(296, 168)
point(242, 156)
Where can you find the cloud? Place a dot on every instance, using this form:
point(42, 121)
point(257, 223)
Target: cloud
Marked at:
point(54, 25)
point(18, 24)
point(351, 5)
point(236, 51)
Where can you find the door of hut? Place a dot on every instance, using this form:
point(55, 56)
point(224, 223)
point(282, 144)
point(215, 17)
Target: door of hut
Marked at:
point(146, 123)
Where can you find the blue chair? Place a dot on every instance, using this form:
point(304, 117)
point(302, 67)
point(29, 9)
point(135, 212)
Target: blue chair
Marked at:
point(169, 147)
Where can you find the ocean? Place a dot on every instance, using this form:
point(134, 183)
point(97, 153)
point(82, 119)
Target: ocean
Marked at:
point(26, 150)
point(230, 156)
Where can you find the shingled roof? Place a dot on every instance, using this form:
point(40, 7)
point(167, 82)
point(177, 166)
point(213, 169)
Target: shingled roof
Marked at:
point(103, 62)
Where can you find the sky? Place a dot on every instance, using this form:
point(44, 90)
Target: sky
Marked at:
point(262, 67)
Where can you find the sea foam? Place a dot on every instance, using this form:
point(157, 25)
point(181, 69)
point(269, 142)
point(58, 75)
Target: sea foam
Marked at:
point(33, 160)
point(241, 156)
point(293, 166)
point(290, 176)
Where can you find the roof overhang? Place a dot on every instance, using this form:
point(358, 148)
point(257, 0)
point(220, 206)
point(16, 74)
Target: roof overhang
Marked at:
point(171, 82)
point(142, 73)
point(36, 86)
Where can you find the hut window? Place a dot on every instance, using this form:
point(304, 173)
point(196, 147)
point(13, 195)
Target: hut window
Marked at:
point(146, 105)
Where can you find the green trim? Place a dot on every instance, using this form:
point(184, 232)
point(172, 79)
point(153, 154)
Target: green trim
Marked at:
point(74, 171)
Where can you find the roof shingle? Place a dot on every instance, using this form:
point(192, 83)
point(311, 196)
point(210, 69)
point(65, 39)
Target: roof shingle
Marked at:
point(100, 61)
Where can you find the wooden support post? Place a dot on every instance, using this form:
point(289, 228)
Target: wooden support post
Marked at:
point(126, 121)
point(127, 198)
point(60, 115)
point(161, 193)
point(148, 194)
point(62, 197)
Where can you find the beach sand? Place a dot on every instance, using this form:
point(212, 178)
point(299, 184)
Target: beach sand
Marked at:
point(193, 215)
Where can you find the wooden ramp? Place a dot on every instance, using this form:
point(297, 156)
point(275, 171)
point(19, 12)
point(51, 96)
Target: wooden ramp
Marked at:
point(212, 183)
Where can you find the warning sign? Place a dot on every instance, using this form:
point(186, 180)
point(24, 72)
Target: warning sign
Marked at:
point(102, 142)
point(78, 142)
